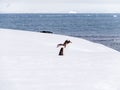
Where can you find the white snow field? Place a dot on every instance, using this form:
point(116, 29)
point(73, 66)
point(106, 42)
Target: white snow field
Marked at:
point(30, 61)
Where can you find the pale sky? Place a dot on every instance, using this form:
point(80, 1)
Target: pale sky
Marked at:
point(59, 6)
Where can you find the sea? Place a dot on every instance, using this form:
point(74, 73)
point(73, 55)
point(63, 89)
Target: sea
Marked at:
point(96, 27)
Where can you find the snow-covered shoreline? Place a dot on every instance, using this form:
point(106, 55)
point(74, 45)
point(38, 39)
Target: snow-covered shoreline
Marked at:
point(30, 61)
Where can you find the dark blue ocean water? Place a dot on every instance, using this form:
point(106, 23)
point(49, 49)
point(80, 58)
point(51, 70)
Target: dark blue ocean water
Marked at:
point(100, 28)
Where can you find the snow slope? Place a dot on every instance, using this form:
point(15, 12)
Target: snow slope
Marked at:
point(30, 61)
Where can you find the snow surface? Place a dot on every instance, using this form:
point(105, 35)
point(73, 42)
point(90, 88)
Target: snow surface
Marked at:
point(30, 61)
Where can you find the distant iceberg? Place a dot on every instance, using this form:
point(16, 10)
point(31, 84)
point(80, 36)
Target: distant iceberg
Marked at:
point(73, 12)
